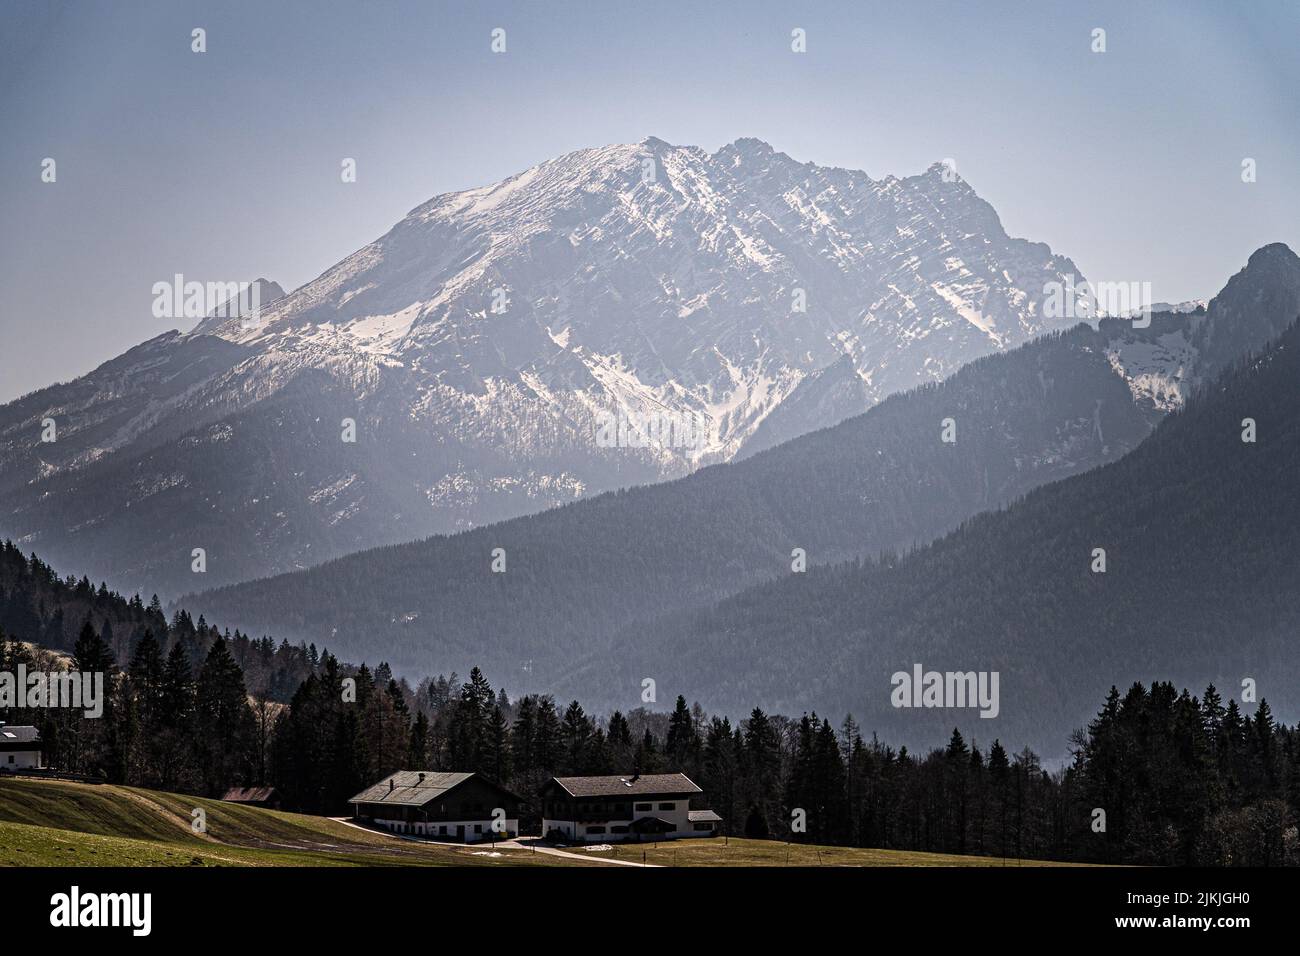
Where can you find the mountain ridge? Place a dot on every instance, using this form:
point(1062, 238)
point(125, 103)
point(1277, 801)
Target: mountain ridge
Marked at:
point(479, 346)
point(1192, 561)
point(881, 482)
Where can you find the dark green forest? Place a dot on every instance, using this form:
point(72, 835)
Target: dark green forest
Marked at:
point(39, 607)
point(1201, 585)
point(1200, 588)
point(691, 581)
point(577, 574)
point(1181, 780)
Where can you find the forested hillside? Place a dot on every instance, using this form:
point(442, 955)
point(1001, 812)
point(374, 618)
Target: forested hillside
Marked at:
point(878, 482)
point(1181, 780)
point(39, 607)
point(1201, 580)
point(479, 343)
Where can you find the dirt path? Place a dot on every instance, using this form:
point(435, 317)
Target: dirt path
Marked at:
point(551, 851)
point(500, 845)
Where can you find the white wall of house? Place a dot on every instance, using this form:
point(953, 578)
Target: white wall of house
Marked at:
point(20, 760)
point(476, 831)
point(676, 815)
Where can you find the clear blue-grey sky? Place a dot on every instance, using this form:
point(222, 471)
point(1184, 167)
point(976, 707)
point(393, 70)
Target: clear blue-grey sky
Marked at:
point(225, 165)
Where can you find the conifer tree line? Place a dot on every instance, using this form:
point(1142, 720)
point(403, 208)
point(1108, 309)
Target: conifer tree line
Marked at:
point(39, 607)
point(1180, 780)
point(169, 721)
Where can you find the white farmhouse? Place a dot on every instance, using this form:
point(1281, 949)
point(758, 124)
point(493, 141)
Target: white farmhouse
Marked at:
point(653, 806)
point(20, 748)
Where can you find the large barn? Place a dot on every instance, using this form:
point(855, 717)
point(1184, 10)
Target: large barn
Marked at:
point(653, 806)
point(448, 806)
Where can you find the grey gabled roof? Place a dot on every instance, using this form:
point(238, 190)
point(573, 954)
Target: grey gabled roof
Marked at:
point(649, 783)
point(412, 788)
point(11, 734)
point(702, 816)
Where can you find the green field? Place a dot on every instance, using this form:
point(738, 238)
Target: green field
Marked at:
point(58, 823)
point(740, 852)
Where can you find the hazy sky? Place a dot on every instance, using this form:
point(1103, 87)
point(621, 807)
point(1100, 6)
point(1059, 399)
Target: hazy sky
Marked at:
point(225, 165)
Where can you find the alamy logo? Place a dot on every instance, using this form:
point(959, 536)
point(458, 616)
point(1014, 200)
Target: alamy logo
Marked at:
point(179, 299)
point(73, 909)
point(665, 429)
point(1087, 300)
point(948, 689)
point(75, 689)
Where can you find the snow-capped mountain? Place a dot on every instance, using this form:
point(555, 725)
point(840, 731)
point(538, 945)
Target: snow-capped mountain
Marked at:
point(647, 278)
point(495, 344)
point(592, 585)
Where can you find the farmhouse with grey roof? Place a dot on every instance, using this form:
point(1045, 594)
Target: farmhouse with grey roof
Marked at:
point(465, 807)
point(630, 807)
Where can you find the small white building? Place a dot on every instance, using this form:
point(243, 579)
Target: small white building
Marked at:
point(653, 806)
point(20, 748)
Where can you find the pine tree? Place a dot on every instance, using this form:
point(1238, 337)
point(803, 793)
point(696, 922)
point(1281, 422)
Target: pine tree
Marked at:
point(146, 680)
point(957, 759)
point(419, 744)
point(999, 776)
point(619, 734)
point(647, 758)
point(223, 721)
point(546, 743)
point(682, 742)
point(762, 763)
point(91, 654)
point(576, 730)
point(496, 747)
point(177, 691)
point(721, 769)
point(1212, 712)
point(522, 736)
point(471, 720)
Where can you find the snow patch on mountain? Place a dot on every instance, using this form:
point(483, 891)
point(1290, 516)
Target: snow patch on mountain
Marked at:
point(1158, 371)
point(667, 274)
point(481, 343)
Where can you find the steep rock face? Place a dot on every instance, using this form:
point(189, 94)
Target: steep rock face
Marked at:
point(829, 395)
point(1189, 346)
point(578, 576)
point(149, 395)
point(494, 344)
point(600, 580)
point(1256, 306)
point(649, 278)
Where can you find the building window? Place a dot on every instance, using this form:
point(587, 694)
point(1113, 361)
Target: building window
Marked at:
point(595, 829)
point(667, 806)
point(644, 806)
point(618, 829)
point(478, 828)
point(703, 826)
